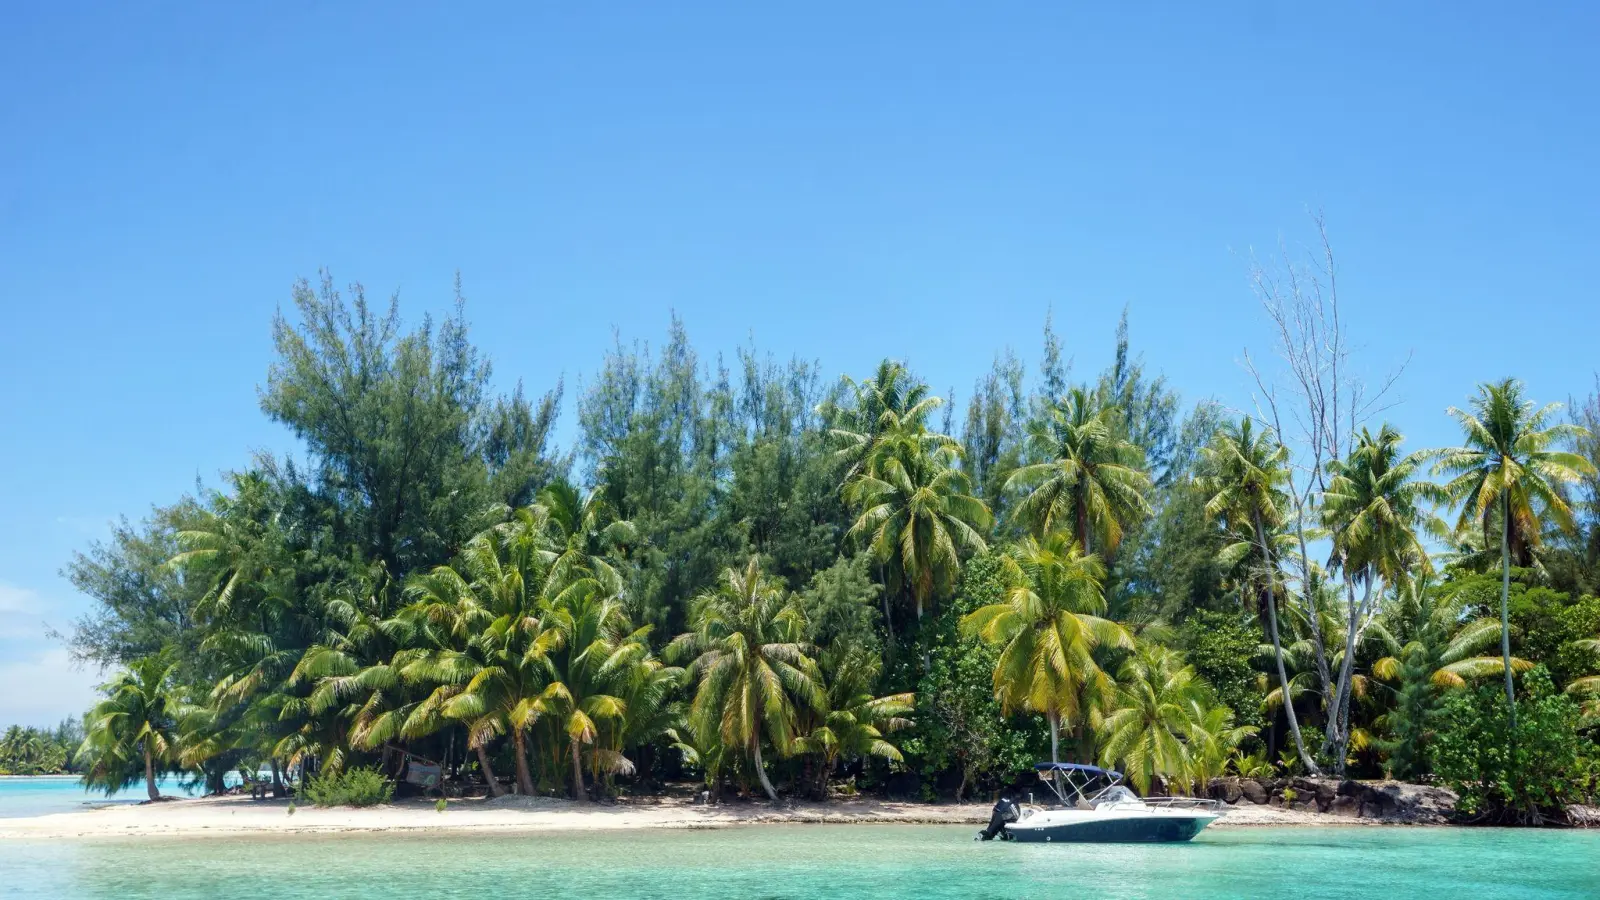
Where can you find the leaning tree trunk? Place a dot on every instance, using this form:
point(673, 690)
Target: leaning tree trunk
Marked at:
point(761, 771)
point(1277, 651)
point(1505, 601)
point(277, 779)
point(495, 790)
point(150, 773)
point(1055, 735)
point(577, 773)
point(524, 777)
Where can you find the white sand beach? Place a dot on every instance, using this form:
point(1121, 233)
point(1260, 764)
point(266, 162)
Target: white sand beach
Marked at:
point(236, 815)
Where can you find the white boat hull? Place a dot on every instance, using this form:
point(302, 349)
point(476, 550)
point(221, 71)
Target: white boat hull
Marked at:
point(1118, 825)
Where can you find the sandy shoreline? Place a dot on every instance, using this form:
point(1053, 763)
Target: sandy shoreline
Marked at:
point(236, 815)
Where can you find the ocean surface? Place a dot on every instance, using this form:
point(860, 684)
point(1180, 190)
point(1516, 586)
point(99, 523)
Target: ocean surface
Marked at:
point(47, 794)
point(810, 862)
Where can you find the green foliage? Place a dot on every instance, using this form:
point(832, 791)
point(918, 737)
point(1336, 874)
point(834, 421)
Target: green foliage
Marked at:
point(142, 604)
point(960, 725)
point(841, 605)
point(361, 786)
point(40, 751)
point(1506, 774)
point(401, 423)
point(1221, 646)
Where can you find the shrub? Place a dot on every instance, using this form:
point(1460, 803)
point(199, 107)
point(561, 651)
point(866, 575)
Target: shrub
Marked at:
point(1503, 775)
point(353, 787)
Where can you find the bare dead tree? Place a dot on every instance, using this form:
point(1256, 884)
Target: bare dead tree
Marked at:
point(1315, 401)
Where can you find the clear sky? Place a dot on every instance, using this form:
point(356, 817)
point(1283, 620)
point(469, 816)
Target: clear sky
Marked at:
point(842, 181)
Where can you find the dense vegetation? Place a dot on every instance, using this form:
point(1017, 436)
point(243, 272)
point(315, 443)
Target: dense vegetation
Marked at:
point(759, 577)
point(40, 751)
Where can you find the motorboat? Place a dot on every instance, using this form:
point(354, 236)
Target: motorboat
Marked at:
point(1096, 807)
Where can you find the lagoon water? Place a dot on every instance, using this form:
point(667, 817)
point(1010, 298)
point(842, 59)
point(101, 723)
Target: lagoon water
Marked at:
point(812, 863)
point(20, 797)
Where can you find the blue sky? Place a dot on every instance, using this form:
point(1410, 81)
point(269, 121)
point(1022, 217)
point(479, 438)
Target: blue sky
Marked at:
point(841, 181)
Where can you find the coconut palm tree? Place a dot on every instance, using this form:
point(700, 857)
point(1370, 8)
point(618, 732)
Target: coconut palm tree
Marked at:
point(588, 666)
point(1506, 474)
point(1161, 705)
point(1374, 507)
point(137, 720)
point(1091, 480)
point(1442, 651)
point(750, 664)
point(587, 531)
point(1048, 626)
point(493, 611)
point(1245, 473)
point(1587, 688)
point(892, 400)
point(916, 513)
point(1214, 739)
point(850, 723)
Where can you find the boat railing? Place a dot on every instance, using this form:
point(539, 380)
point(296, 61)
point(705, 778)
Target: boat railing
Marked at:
point(1185, 803)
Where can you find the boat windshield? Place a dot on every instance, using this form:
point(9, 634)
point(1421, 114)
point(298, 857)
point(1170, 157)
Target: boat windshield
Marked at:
point(1116, 794)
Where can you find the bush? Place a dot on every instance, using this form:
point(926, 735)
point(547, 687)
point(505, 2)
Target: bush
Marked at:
point(353, 787)
point(1521, 776)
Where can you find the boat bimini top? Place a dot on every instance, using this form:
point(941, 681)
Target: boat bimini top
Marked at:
point(1082, 786)
point(1077, 783)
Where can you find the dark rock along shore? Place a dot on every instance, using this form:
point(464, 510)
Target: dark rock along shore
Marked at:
point(1384, 801)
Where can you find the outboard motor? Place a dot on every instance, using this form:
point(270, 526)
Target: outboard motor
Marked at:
point(1005, 811)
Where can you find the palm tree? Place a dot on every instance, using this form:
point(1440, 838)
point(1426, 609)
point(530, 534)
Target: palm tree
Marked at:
point(1506, 473)
point(851, 723)
point(890, 401)
point(1245, 473)
point(916, 514)
point(1047, 627)
point(750, 664)
point(1374, 508)
point(1214, 740)
point(587, 531)
point(1441, 652)
point(588, 664)
point(1587, 688)
point(137, 719)
point(1160, 708)
point(1091, 480)
point(490, 673)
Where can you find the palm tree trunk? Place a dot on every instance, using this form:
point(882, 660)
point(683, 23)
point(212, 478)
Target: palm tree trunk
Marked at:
point(888, 623)
point(1505, 601)
point(277, 779)
point(524, 777)
point(577, 773)
point(1055, 736)
point(1082, 512)
point(495, 790)
point(1277, 650)
point(150, 773)
point(1084, 738)
point(761, 770)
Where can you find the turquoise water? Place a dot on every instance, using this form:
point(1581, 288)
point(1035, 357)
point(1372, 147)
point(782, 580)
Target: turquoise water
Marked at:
point(814, 863)
point(63, 793)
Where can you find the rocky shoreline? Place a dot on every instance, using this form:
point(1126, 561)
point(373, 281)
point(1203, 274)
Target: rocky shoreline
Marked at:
point(1389, 802)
